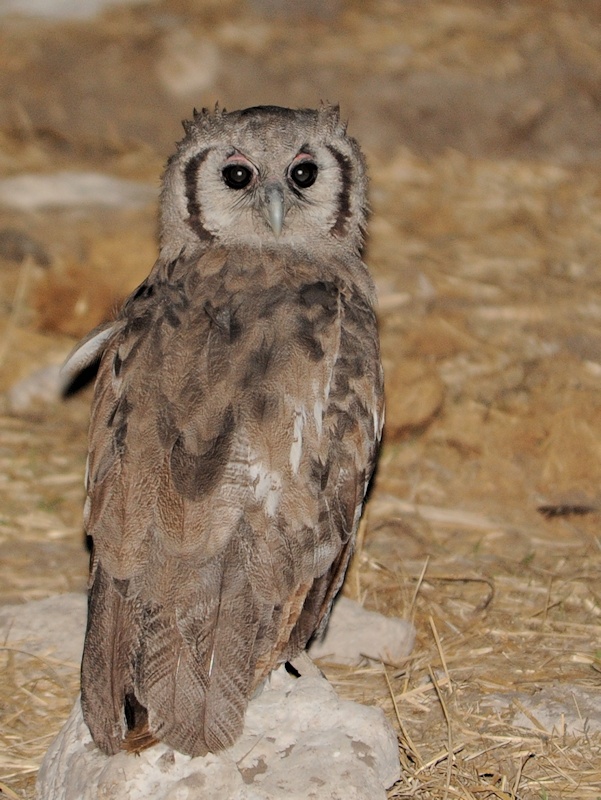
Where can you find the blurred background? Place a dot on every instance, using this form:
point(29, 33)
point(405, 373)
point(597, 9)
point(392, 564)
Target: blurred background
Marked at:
point(481, 121)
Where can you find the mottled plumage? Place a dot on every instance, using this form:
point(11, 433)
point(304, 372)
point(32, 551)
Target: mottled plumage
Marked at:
point(236, 417)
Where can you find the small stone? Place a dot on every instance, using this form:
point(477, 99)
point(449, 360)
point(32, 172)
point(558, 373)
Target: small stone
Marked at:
point(54, 626)
point(42, 387)
point(354, 633)
point(60, 9)
point(31, 192)
point(571, 711)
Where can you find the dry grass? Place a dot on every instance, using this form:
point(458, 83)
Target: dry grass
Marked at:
point(481, 638)
point(483, 522)
point(37, 693)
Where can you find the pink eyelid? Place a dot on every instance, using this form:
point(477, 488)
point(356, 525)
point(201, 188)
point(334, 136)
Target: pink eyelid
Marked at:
point(236, 158)
point(302, 157)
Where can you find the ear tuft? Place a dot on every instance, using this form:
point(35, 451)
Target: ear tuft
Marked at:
point(329, 115)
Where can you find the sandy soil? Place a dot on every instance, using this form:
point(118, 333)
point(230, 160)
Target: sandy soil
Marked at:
point(482, 126)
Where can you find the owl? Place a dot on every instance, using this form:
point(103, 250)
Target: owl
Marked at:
point(235, 423)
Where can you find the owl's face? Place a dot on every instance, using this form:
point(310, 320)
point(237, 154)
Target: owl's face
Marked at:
point(264, 176)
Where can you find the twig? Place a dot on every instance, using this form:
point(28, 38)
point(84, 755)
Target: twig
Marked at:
point(447, 720)
point(518, 777)
point(418, 587)
point(441, 653)
point(402, 728)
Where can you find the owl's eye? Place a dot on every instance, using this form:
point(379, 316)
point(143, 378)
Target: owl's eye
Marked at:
point(304, 174)
point(237, 176)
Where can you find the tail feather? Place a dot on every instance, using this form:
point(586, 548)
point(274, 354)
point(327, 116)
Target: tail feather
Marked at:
point(171, 678)
point(231, 669)
point(107, 672)
point(195, 664)
point(182, 672)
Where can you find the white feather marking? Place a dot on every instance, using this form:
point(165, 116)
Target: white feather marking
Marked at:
point(267, 486)
point(86, 352)
point(87, 509)
point(318, 416)
point(320, 403)
point(318, 407)
point(378, 423)
point(296, 450)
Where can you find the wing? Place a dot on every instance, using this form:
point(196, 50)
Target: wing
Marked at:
point(233, 434)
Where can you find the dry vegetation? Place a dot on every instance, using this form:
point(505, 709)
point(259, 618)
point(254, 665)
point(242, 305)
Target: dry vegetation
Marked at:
point(482, 123)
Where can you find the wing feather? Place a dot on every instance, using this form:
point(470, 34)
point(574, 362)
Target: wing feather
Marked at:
point(231, 440)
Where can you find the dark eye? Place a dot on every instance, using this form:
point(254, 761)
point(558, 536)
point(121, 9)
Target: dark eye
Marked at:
point(304, 174)
point(237, 176)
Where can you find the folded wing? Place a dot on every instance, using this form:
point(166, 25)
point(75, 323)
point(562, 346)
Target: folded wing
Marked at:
point(233, 434)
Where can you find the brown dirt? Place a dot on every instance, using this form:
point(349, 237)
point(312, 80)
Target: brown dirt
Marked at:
point(482, 126)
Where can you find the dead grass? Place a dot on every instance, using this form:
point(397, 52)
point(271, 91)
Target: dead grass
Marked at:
point(483, 522)
point(489, 641)
point(481, 638)
point(37, 693)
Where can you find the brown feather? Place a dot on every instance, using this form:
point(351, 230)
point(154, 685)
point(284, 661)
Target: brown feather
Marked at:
point(220, 541)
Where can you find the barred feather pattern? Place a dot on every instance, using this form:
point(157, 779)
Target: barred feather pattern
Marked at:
point(237, 413)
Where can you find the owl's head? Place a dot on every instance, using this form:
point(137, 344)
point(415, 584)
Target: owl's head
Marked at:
point(264, 175)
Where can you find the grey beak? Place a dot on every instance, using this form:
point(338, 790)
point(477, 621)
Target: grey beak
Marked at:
point(274, 200)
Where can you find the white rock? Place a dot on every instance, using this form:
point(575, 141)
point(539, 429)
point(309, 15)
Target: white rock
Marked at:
point(354, 634)
point(66, 189)
point(572, 710)
point(54, 626)
point(42, 386)
point(300, 741)
point(60, 9)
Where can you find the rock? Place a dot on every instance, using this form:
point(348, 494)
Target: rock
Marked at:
point(300, 741)
point(54, 626)
point(60, 9)
point(570, 710)
point(354, 633)
point(42, 387)
point(31, 192)
point(27, 351)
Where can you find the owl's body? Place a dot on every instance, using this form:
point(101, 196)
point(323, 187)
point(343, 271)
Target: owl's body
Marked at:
point(236, 418)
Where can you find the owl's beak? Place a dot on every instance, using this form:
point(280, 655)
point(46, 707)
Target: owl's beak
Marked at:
point(274, 201)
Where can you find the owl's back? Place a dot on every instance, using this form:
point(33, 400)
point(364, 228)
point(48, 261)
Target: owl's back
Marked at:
point(234, 431)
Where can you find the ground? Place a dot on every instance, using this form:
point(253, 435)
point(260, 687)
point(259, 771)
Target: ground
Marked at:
point(481, 122)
